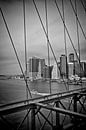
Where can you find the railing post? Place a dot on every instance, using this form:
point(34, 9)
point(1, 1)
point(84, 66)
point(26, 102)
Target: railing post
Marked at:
point(57, 126)
point(57, 115)
point(75, 102)
point(33, 125)
point(74, 120)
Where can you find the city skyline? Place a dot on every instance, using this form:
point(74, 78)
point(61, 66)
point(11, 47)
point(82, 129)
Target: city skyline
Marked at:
point(36, 40)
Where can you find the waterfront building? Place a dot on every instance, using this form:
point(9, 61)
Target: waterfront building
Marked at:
point(83, 69)
point(40, 68)
point(63, 66)
point(70, 69)
point(42, 65)
point(80, 68)
point(76, 68)
point(56, 71)
point(33, 67)
point(71, 57)
point(47, 72)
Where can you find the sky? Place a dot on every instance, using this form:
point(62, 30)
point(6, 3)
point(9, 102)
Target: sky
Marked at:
point(36, 41)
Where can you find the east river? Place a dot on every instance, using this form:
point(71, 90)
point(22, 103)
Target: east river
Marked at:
point(13, 90)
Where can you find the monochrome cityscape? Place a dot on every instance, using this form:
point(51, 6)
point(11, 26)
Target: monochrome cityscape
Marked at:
point(37, 68)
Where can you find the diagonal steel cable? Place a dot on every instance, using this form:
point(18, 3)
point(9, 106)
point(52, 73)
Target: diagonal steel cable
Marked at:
point(8, 123)
point(47, 118)
point(67, 109)
point(68, 33)
point(83, 5)
point(15, 50)
point(83, 104)
point(46, 36)
point(39, 120)
point(23, 120)
point(78, 19)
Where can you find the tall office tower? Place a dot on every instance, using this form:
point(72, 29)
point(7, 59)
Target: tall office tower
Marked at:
point(47, 72)
point(63, 66)
point(71, 57)
point(70, 69)
point(42, 65)
point(76, 68)
point(39, 70)
point(83, 69)
point(56, 71)
point(33, 67)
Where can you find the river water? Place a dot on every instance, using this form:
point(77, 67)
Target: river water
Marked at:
point(15, 90)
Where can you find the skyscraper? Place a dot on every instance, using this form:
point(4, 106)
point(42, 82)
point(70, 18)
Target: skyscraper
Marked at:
point(42, 65)
point(33, 67)
point(70, 69)
point(47, 72)
point(71, 57)
point(63, 66)
point(56, 71)
point(40, 68)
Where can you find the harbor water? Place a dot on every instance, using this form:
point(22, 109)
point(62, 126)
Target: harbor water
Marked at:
point(13, 90)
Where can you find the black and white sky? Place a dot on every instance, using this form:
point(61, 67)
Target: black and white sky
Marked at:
point(35, 37)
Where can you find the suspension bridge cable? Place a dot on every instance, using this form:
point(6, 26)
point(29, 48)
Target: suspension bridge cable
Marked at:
point(66, 28)
point(48, 52)
point(24, 15)
point(47, 31)
point(15, 50)
point(46, 35)
point(77, 30)
point(78, 41)
point(47, 41)
point(65, 41)
point(78, 19)
point(83, 5)
point(25, 36)
point(44, 29)
point(67, 33)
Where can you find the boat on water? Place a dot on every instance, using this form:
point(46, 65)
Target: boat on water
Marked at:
point(38, 93)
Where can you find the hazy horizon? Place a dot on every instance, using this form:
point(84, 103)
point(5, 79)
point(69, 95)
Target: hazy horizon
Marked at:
point(35, 37)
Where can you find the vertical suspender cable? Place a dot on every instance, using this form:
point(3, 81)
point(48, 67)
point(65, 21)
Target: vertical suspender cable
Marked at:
point(77, 30)
point(25, 37)
point(64, 28)
point(25, 45)
point(46, 35)
point(15, 50)
point(48, 52)
point(81, 68)
point(47, 31)
point(24, 15)
point(67, 31)
point(47, 41)
point(78, 20)
point(83, 5)
point(65, 41)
